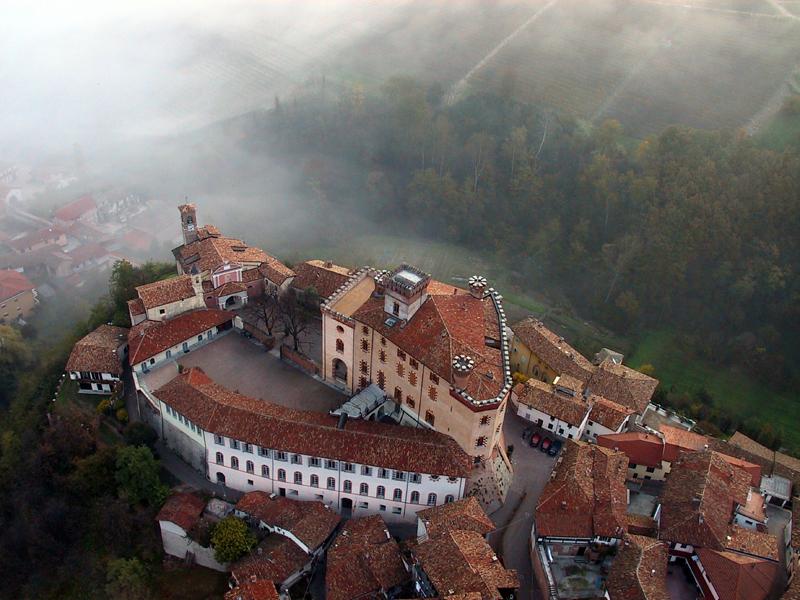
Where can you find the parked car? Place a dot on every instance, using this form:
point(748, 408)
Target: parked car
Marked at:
point(555, 448)
point(526, 433)
point(535, 439)
point(545, 444)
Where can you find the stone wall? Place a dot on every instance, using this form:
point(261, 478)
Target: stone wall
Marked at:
point(260, 335)
point(187, 448)
point(299, 360)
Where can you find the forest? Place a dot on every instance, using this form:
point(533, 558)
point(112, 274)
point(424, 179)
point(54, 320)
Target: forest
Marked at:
point(690, 230)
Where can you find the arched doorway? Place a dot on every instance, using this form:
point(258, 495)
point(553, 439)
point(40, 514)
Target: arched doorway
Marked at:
point(347, 507)
point(339, 370)
point(221, 478)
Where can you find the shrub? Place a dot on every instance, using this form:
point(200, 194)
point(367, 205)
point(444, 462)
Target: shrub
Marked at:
point(231, 539)
point(122, 415)
point(140, 434)
point(104, 406)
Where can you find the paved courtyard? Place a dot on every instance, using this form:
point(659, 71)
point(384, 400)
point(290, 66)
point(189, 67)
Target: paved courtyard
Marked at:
point(241, 364)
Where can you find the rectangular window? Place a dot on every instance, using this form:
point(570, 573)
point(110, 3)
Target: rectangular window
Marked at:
point(397, 510)
point(399, 475)
point(434, 379)
point(383, 473)
point(366, 471)
point(413, 363)
point(363, 505)
point(297, 459)
point(234, 444)
point(415, 478)
point(219, 440)
point(281, 456)
point(650, 469)
point(382, 508)
point(400, 354)
point(263, 451)
point(248, 448)
point(331, 464)
point(313, 461)
point(348, 467)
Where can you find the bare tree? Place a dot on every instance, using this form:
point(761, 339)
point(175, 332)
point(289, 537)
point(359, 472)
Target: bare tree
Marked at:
point(480, 147)
point(270, 311)
point(295, 321)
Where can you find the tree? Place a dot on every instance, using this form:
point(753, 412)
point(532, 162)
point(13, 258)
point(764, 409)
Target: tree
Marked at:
point(294, 318)
point(127, 579)
point(270, 311)
point(231, 539)
point(140, 434)
point(137, 476)
point(515, 146)
point(15, 355)
point(479, 148)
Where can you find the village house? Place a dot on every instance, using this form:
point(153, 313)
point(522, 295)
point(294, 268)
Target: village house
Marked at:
point(231, 271)
point(357, 467)
point(701, 511)
point(165, 299)
point(772, 462)
point(18, 296)
point(639, 571)
point(321, 277)
point(96, 360)
point(453, 559)
point(364, 561)
point(38, 239)
point(439, 352)
point(179, 520)
point(83, 210)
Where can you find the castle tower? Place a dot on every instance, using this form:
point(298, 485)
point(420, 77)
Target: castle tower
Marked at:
point(406, 289)
point(188, 222)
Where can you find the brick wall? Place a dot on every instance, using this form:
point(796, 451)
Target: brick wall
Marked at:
point(299, 360)
point(261, 336)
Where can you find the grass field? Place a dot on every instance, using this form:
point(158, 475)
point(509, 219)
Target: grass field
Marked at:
point(739, 395)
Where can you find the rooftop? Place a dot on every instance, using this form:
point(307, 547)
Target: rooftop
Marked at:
point(466, 514)
point(97, 352)
point(166, 291)
point(13, 283)
point(639, 571)
point(275, 559)
point(75, 209)
point(260, 589)
point(325, 277)
point(183, 509)
point(552, 349)
point(546, 398)
point(738, 577)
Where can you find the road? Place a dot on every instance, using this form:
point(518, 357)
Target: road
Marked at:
point(511, 539)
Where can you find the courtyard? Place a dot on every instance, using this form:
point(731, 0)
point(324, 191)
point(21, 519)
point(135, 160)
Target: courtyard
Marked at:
point(243, 365)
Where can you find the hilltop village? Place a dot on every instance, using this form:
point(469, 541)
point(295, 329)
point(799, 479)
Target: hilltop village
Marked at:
point(383, 434)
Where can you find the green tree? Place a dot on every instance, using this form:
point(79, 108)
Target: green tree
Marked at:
point(15, 355)
point(137, 476)
point(140, 434)
point(127, 579)
point(231, 539)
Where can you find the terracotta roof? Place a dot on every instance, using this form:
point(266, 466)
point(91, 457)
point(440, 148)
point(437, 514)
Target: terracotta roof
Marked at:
point(149, 338)
point(751, 446)
point(639, 571)
point(752, 542)
point(136, 307)
point(642, 525)
point(460, 562)
point(545, 398)
point(75, 209)
point(275, 559)
point(793, 593)
point(183, 509)
point(698, 499)
point(623, 385)
point(166, 291)
point(87, 252)
point(787, 466)
point(363, 561)
point(796, 523)
point(249, 275)
point(586, 494)
point(231, 287)
point(260, 589)
point(640, 448)
point(97, 352)
point(677, 440)
point(551, 348)
point(464, 514)
point(310, 522)
point(227, 413)
point(48, 235)
point(324, 277)
point(275, 270)
point(13, 283)
point(609, 414)
point(738, 577)
point(442, 328)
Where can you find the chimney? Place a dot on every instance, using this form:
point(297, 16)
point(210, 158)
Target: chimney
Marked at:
point(477, 286)
point(462, 367)
point(197, 285)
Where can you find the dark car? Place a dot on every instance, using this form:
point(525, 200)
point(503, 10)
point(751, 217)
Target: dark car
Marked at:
point(545, 444)
point(526, 433)
point(535, 439)
point(555, 448)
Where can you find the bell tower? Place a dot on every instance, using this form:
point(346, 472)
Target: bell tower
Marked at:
point(188, 222)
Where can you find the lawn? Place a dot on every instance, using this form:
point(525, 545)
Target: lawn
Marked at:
point(740, 395)
point(781, 132)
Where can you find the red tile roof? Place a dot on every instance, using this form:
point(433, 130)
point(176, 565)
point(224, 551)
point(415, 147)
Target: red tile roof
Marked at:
point(738, 577)
point(75, 209)
point(310, 522)
point(275, 559)
point(363, 561)
point(586, 494)
point(231, 287)
point(752, 542)
point(461, 562)
point(464, 514)
point(547, 399)
point(150, 338)
point(165, 291)
point(87, 252)
point(639, 571)
point(552, 349)
point(275, 270)
point(97, 352)
point(13, 283)
point(136, 307)
point(220, 411)
point(260, 589)
point(677, 440)
point(324, 277)
point(183, 509)
point(609, 414)
point(640, 448)
point(623, 385)
point(699, 498)
point(48, 235)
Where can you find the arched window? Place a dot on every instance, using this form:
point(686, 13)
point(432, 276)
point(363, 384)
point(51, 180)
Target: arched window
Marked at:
point(331, 483)
point(363, 489)
point(314, 481)
point(381, 492)
point(298, 478)
point(264, 471)
point(339, 346)
point(431, 499)
point(348, 486)
point(250, 466)
point(449, 498)
point(381, 380)
point(398, 495)
point(414, 497)
point(220, 458)
point(429, 418)
point(281, 475)
point(234, 462)
point(363, 366)
point(340, 329)
point(480, 442)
